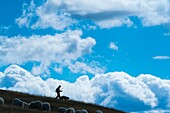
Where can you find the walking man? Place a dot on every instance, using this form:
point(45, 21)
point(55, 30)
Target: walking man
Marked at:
point(58, 91)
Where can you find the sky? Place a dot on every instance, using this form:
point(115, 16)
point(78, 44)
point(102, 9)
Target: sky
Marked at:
point(111, 52)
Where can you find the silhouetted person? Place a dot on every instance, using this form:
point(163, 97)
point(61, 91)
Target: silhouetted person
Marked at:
point(58, 91)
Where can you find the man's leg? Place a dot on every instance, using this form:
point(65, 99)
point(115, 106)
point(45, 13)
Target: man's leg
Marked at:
point(59, 95)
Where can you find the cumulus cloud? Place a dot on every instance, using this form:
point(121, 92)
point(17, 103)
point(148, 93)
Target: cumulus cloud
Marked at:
point(60, 14)
point(159, 87)
point(115, 89)
point(113, 46)
point(123, 91)
point(161, 57)
point(59, 50)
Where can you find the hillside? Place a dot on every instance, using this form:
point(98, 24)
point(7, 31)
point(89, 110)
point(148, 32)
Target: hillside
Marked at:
point(9, 96)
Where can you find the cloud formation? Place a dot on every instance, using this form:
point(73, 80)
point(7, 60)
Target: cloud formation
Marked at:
point(60, 14)
point(115, 89)
point(57, 51)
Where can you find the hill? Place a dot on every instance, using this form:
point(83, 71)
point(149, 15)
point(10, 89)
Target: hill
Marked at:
point(55, 103)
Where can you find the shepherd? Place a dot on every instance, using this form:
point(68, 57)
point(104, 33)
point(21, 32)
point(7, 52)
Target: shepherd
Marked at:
point(58, 92)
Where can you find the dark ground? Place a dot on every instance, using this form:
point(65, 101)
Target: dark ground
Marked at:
point(55, 103)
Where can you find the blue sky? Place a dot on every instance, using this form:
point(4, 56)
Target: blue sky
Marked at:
point(65, 40)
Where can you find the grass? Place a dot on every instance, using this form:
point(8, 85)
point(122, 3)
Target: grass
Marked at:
point(55, 103)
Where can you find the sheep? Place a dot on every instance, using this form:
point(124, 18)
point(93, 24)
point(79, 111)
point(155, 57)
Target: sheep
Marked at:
point(61, 109)
point(18, 102)
point(99, 111)
point(46, 106)
point(35, 105)
point(26, 105)
point(1, 101)
point(70, 110)
point(81, 111)
point(84, 111)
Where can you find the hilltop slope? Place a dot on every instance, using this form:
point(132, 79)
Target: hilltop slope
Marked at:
point(9, 96)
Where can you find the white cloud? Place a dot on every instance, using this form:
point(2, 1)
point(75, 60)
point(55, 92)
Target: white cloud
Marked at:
point(60, 50)
point(5, 27)
point(114, 23)
point(84, 68)
point(161, 57)
point(151, 11)
point(60, 14)
point(159, 87)
point(89, 27)
point(113, 46)
point(27, 15)
point(50, 16)
point(155, 111)
point(121, 91)
point(116, 89)
point(58, 22)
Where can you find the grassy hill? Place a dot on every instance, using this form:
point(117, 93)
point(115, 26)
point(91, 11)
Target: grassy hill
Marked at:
point(55, 103)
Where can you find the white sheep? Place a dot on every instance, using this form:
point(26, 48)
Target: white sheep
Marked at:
point(84, 111)
point(46, 106)
point(35, 105)
point(18, 102)
point(61, 109)
point(70, 110)
point(25, 106)
point(99, 111)
point(81, 111)
point(1, 101)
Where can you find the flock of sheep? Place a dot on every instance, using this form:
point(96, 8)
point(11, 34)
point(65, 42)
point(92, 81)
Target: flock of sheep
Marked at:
point(32, 105)
point(72, 110)
point(43, 106)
